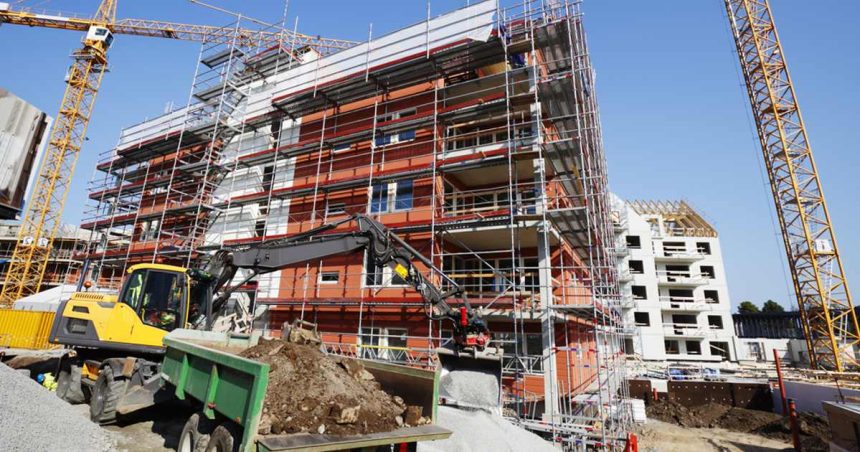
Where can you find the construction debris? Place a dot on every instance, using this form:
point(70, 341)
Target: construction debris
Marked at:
point(36, 419)
point(310, 391)
point(814, 429)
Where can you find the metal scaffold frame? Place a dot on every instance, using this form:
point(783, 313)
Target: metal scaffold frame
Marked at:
point(481, 146)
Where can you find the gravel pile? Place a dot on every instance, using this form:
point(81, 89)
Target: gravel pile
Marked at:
point(478, 431)
point(33, 418)
point(470, 388)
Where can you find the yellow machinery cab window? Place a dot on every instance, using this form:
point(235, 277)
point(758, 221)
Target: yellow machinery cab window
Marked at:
point(133, 288)
point(156, 296)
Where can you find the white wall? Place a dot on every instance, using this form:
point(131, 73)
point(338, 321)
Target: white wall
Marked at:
point(649, 341)
point(791, 351)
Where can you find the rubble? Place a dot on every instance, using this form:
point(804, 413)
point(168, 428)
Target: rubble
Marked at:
point(310, 391)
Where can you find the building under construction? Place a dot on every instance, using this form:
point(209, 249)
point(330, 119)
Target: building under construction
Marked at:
point(475, 135)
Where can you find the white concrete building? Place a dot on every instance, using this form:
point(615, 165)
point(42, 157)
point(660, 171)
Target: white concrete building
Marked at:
point(675, 298)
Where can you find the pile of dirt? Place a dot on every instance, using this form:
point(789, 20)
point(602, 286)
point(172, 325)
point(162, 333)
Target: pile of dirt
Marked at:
point(310, 391)
point(814, 429)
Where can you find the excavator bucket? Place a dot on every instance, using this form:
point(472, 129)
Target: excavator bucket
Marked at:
point(301, 332)
point(471, 378)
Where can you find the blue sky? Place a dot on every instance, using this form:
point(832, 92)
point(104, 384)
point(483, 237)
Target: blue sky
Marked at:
point(675, 117)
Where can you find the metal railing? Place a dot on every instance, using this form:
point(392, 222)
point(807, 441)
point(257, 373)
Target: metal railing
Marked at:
point(686, 303)
point(513, 364)
point(681, 277)
point(680, 252)
point(687, 330)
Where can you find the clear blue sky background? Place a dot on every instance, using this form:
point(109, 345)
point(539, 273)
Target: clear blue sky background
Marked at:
point(675, 117)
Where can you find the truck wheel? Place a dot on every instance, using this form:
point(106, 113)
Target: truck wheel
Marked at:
point(195, 434)
point(69, 385)
point(225, 438)
point(106, 393)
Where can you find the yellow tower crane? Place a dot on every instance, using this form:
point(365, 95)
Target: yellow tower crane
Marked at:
point(45, 207)
point(827, 313)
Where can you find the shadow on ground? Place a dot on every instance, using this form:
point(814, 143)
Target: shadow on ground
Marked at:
point(153, 428)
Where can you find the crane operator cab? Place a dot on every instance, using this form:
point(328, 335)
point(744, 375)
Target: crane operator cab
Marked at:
point(154, 300)
point(101, 35)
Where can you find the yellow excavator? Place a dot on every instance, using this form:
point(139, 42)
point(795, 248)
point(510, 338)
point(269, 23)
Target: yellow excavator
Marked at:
point(115, 341)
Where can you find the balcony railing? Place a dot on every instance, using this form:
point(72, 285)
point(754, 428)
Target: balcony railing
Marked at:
point(512, 364)
point(681, 278)
point(627, 302)
point(686, 330)
point(620, 250)
point(685, 303)
point(684, 232)
point(680, 254)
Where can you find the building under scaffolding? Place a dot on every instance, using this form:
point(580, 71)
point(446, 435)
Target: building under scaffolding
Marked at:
point(475, 135)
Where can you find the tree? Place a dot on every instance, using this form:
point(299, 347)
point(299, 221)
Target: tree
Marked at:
point(772, 306)
point(747, 307)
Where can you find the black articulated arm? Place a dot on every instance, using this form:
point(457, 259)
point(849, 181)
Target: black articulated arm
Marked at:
point(386, 249)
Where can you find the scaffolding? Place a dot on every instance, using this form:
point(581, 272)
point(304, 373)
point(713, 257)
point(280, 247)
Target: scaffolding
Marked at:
point(475, 135)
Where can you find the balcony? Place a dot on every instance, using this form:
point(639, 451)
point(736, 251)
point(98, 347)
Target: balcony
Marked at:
point(685, 330)
point(670, 303)
point(681, 278)
point(620, 250)
point(679, 254)
point(625, 276)
point(627, 302)
point(629, 330)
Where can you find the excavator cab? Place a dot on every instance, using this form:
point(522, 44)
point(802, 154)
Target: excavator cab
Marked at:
point(154, 300)
point(159, 297)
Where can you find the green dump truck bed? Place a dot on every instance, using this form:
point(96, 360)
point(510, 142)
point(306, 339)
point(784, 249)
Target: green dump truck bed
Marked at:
point(206, 368)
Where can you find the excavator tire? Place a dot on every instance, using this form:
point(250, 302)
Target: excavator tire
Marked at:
point(69, 385)
point(106, 393)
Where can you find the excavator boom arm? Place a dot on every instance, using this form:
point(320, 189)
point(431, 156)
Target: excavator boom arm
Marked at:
point(386, 248)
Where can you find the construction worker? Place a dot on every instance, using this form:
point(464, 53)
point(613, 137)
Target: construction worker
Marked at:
point(161, 307)
point(47, 380)
point(132, 294)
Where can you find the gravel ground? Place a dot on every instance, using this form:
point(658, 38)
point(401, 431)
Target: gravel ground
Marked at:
point(34, 419)
point(470, 388)
point(478, 431)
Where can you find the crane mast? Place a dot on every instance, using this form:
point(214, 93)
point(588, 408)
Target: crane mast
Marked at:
point(824, 301)
point(45, 208)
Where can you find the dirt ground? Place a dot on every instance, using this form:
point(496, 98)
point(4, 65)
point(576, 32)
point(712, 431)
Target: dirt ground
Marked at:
point(659, 436)
point(152, 429)
point(312, 392)
point(814, 429)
